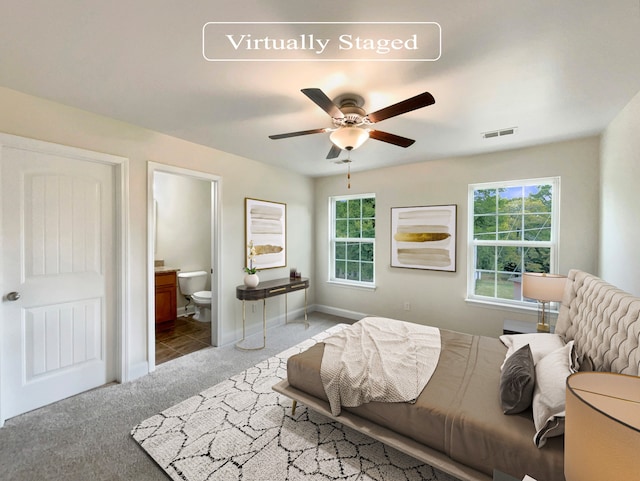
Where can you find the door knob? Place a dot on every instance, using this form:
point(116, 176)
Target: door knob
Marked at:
point(13, 296)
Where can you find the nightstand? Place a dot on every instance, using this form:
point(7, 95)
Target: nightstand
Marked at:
point(500, 476)
point(520, 327)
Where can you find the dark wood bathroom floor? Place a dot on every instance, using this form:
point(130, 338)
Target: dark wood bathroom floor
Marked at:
point(184, 337)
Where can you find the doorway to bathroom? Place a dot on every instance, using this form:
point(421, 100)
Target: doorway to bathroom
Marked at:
point(183, 240)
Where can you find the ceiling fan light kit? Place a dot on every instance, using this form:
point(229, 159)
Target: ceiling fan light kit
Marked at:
point(349, 138)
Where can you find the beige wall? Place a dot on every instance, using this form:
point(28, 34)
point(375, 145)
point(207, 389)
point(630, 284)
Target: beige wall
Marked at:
point(183, 224)
point(438, 298)
point(620, 200)
point(40, 119)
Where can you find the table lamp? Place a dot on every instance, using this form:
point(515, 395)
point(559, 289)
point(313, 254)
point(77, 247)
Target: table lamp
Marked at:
point(602, 427)
point(543, 288)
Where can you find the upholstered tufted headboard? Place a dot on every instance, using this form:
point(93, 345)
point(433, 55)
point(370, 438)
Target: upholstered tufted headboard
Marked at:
point(603, 320)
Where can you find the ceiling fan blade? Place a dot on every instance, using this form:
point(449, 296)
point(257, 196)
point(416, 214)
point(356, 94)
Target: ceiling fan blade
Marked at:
point(391, 138)
point(334, 152)
point(324, 102)
point(423, 100)
point(296, 134)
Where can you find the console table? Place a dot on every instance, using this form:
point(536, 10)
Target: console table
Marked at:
point(263, 291)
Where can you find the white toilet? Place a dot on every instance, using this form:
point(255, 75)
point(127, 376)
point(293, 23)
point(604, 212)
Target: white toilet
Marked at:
point(192, 286)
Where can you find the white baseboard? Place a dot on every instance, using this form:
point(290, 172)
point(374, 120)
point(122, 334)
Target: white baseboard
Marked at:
point(335, 311)
point(254, 327)
point(138, 370)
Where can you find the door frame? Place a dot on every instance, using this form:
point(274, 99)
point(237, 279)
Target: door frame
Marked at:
point(216, 250)
point(120, 167)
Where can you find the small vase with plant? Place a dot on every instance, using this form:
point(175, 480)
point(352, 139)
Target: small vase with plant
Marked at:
point(251, 279)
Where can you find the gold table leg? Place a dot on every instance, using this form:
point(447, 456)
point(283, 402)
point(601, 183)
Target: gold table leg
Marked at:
point(306, 320)
point(264, 323)
point(264, 328)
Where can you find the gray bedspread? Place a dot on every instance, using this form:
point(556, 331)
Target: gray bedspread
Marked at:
point(458, 412)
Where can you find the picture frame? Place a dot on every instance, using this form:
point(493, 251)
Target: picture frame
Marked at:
point(424, 237)
point(266, 227)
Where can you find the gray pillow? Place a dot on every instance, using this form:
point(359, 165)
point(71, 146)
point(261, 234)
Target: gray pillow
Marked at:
point(517, 381)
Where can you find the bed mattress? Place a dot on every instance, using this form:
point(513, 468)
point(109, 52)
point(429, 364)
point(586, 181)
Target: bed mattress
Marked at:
point(458, 413)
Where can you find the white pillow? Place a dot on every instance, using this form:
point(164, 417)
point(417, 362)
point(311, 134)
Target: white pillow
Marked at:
point(541, 344)
point(549, 393)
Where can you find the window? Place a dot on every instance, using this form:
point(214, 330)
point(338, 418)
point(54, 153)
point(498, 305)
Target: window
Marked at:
point(353, 232)
point(513, 228)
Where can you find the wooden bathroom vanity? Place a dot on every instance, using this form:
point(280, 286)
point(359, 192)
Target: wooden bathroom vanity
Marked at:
point(166, 295)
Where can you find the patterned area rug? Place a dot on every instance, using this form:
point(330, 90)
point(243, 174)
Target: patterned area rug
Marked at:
point(241, 429)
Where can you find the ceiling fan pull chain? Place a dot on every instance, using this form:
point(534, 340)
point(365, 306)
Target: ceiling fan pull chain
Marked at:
point(348, 176)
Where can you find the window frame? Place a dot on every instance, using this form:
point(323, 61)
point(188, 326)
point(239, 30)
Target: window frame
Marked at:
point(333, 239)
point(553, 243)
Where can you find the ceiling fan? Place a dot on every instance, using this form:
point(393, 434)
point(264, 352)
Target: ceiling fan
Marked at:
point(352, 124)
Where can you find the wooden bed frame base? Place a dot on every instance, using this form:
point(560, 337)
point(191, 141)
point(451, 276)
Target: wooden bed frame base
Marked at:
point(402, 443)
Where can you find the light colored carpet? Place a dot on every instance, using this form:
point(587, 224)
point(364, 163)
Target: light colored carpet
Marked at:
point(242, 429)
point(87, 437)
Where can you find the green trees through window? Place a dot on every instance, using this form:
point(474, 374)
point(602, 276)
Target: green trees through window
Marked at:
point(513, 231)
point(353, 238)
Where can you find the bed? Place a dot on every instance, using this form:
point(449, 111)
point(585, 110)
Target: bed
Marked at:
point(458, 424)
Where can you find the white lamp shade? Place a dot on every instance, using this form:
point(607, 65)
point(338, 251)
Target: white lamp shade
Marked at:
point(602, 427)
point(543, 287)
point(349, 138)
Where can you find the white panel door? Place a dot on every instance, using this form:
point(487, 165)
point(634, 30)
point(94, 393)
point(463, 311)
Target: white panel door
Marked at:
point(58, 305)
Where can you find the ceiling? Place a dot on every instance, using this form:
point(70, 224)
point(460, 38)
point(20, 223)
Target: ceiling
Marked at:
point(555, 69)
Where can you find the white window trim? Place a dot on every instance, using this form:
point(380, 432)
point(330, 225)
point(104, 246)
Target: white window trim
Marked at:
point(554, 243)
point(332, 223)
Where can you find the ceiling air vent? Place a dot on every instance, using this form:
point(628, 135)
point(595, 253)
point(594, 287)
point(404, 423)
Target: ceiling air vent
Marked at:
point(499, 133)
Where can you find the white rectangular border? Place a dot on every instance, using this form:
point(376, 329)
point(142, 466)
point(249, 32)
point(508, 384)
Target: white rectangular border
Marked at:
point(323, 59)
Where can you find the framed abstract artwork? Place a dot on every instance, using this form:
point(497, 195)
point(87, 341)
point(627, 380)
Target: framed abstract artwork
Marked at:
point(266, 229)
point(424, 237)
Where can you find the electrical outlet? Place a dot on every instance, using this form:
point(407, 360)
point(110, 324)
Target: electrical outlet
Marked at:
point(253, 308)
point(407, 306)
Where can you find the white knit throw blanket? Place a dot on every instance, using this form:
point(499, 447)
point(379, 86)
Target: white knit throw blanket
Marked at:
point(378, 359)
